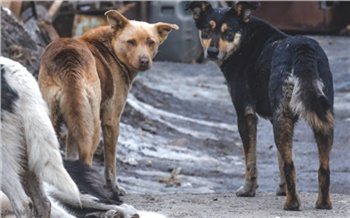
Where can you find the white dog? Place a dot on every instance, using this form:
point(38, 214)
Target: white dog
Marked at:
point(29, 148)
point(33, 177)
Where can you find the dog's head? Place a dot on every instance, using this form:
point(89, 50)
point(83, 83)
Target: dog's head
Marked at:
point(220, 29)
point(136, 43)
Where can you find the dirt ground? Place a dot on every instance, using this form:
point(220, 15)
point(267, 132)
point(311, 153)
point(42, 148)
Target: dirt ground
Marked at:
point(179, 151)
point(227, 205)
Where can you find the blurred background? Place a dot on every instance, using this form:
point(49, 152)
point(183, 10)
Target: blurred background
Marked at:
point(73, 18)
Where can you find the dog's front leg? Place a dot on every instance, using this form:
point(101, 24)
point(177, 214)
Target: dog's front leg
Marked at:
point(19, 203)
point(247, 122)
point(110, 129)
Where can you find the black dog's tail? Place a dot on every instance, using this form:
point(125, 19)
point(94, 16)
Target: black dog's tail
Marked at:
point(91, 185)
point(308, 99)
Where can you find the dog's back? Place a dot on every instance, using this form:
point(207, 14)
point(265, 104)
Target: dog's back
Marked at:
point(300, 73)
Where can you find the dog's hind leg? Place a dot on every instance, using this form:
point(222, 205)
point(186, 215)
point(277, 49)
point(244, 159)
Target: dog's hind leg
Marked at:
point(11, 155)
point(20, 202)
point(35, 190)
point(281, 189)
point(324, 143)
point(283, 126)
point(247, 129)
point(83, 151)
point(81, 115)
point(72, 150)
point(12, 187)
point(79, 121)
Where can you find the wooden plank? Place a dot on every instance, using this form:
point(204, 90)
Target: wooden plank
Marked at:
point(6, 4)
point(54, 8)
point(223, 4)
point(143, 6)
point(16, 8)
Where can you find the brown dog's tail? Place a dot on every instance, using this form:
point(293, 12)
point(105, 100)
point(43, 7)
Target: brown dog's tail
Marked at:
point(308, 98)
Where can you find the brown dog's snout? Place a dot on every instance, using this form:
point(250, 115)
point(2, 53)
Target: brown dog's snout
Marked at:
point(144, 62)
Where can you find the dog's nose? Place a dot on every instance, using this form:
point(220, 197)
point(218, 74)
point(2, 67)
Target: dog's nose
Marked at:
point(212, 52)
point(144, 61)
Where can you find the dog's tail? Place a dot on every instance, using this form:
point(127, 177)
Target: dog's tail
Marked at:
point(43, 153)
point(308, 98)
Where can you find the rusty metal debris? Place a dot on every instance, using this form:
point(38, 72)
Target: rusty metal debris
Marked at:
point(172, 181)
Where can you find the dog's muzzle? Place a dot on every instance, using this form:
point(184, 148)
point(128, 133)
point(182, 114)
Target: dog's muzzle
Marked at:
point(212, 53)
point(143, 63)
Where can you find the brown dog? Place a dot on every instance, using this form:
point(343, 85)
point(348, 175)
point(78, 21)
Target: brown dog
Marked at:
point(85, 82)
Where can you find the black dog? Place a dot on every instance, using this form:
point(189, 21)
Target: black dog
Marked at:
point(276, 76)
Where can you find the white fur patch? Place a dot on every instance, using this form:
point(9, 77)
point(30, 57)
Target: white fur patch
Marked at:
point(147, 214)
point(297, 106)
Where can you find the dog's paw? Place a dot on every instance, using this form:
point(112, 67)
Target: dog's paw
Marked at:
point(121, 190)
point(248, 190)
point(292, 204)
point(129, 211)
point(113, 214)
point(116, 214)
point(327, 205)
point(94, 215)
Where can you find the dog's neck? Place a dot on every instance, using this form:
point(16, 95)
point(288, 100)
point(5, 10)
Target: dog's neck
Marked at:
point(101, 38)
point(127, 74)
point(99, 42)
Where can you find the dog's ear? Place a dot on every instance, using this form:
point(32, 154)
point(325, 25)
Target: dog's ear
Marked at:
point(198, 8)
point(244, 9)
point(163, 29)
point(116, 20)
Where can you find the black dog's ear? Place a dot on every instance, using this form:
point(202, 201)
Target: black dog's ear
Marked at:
point(198, 8)
point(244, 9)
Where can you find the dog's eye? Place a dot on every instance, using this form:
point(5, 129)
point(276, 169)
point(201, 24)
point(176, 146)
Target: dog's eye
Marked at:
point(131, 42)
point(206, 32)
point(151, 42)
point(229, 35)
